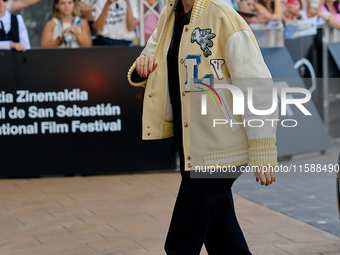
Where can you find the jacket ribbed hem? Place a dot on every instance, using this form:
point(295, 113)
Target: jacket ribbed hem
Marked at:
point(262, 152)
point(229, 158)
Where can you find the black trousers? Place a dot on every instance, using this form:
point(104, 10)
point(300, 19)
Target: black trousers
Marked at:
point(204, 214)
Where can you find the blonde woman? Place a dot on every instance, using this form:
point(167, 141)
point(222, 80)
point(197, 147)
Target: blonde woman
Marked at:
point(66, 29)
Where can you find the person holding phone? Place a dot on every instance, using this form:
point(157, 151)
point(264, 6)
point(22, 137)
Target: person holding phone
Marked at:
point(272, 10)
point(247, 10)
point(85, 10)
point(66, 29)
point(291, 11)
point(115, 21)
point(13, 31)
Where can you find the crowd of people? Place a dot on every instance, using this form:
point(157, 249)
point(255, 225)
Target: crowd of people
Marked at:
point(83, 23)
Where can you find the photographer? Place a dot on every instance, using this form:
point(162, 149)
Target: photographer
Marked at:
point(66, 29)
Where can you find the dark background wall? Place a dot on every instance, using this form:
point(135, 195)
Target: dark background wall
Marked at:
point(102, 73)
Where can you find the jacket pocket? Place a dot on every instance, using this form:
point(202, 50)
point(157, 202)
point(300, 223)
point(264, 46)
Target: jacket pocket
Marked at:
point(227, 112)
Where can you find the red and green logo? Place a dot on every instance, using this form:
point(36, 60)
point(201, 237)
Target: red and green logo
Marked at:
point(211, 95)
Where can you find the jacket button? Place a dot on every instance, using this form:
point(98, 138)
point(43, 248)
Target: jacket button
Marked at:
point(189, 157)
point(148, 134)
point(150, 96)
point(186, 29)
point(170, 4)
point(182, 61)
point(189, 165)
point(186, 124)
point(183, 94)
point(148, 127)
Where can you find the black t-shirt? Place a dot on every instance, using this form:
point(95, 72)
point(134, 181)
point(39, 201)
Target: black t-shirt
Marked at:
point(181, 20)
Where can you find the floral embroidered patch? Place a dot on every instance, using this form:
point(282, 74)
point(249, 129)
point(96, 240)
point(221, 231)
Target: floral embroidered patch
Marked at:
point(203, 38)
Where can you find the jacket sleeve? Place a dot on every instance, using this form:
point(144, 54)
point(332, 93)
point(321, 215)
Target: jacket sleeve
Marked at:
point(248, 70)
point(149, 50)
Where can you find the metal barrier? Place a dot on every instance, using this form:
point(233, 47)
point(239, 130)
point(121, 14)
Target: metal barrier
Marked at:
point(268, 36)
point(329, 35)
point(338, 188)
point(144, 9)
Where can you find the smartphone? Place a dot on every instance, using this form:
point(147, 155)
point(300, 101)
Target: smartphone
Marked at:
point(247, 14)
point(78, 22)
point(315, 4)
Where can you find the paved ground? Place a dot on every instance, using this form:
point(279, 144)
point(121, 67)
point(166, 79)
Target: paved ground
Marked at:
point(128, 214)
point(311, 199)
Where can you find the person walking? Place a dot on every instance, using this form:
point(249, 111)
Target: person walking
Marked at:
point(199, 44)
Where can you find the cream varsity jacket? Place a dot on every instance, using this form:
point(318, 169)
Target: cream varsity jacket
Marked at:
point(217, 47)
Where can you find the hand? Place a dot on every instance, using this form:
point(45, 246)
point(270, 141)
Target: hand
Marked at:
point(75, 30)
point(293, 9)
point(332, 19)
point(60, 40)
point(145, 65)
point(85, 9)
point(320, 14)
point(275, 17)
point(66, 31)
point(311, 12)
point(242, 6)
point(261, 17)
point(17, 46)
point(266, 174)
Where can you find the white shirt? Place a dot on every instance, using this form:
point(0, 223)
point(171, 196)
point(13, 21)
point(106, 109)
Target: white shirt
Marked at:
point(23, 34)
point(115, 26)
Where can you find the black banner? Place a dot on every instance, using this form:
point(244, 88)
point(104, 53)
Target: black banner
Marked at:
point(65, 112)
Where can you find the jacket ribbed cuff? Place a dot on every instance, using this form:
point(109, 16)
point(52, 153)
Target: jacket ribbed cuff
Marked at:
point(262, 152)
point(134, 79)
